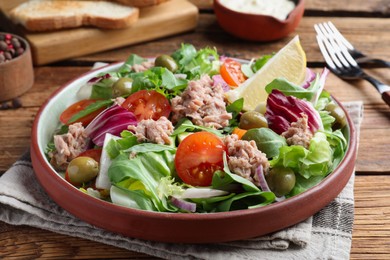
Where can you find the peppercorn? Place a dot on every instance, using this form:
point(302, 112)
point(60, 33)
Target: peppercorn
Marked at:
point(3, 46)
point(10, 47)
point(13, 104)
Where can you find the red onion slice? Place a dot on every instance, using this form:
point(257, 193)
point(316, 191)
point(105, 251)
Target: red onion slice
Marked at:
point(202, 193)
point(114, 125)
point(183, 204)
point(218, 80)
point(310, 76)
point(112, 120)
point(262, 181)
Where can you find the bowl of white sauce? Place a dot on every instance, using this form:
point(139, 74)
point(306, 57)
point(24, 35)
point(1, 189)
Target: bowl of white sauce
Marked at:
point(259, 20)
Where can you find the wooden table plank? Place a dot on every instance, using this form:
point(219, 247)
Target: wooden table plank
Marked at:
point(371, 234)
point(332, 7)
point(367, 34)
point(371, 231)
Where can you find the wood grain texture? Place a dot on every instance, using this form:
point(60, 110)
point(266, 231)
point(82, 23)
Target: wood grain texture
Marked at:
point(361, 6)
point(209, 33)
point(154, 22)
point(332, 8)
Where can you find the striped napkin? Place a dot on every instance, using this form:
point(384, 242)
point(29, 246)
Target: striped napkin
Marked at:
point(326, 235)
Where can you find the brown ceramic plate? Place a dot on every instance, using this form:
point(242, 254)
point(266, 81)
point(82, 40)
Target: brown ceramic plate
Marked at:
point(174, 227)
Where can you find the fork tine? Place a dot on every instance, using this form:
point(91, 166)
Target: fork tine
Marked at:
point(340, 60)
point(328, 59)
point(346, 53)
point(329, 52)
point(335, 44)
point(339, 36)
point(339, 45)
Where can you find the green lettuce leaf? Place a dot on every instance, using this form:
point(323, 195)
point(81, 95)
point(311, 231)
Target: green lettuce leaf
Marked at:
point(195, 63)
point(145, 170)
point(248, 195)
point(290, 89)
point(246, 200)
point(122, 195)
point(302, 184)
point(315, 161)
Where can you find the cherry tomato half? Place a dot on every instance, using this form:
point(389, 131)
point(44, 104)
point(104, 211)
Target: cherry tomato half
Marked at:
point(231, 72)
point(93, 153)
point(77, 107)
point(198, 156)
point(147, 104)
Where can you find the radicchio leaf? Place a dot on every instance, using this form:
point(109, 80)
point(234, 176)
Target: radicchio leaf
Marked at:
point(283, 110)
point(113, 120)
point(99, 78)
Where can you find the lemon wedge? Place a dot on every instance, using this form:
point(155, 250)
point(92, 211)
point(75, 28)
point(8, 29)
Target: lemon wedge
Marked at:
point(289, 63)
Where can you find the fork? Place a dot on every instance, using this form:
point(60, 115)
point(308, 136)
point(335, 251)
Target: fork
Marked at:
point(360, 58)
point(341, 62)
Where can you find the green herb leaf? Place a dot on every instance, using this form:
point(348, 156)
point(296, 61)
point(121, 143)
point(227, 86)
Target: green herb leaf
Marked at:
point(266, 140)
point(131, 60)
point(260, 62)
point(196, 63)
point(185, 125)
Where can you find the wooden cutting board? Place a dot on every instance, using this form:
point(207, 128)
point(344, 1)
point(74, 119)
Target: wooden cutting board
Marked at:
point(172, 17)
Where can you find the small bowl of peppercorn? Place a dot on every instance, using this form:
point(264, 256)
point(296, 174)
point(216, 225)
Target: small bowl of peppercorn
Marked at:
point(16, 69)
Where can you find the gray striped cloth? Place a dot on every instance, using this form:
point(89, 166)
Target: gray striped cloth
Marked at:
point(326, 235)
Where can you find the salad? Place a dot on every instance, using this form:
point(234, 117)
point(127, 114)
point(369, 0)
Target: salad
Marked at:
point(159, 135)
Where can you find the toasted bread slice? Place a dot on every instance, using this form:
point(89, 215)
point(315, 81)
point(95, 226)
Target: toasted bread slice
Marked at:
point(140, 3)
point(46, 15)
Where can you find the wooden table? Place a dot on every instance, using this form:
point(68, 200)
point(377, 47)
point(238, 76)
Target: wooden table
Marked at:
point(365, 23)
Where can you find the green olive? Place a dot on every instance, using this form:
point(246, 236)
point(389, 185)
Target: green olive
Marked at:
point(338, 114)
point(281, 180)
point(82, 169)
point(122, 87)
point(166, 61)
point(252, 119)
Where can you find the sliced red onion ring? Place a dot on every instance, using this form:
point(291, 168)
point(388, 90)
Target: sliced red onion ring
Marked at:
point(218, 80)
point(112, 120)
point(310, 76)
point(323, 76)
point(183, 204)
point(101, 118)
point(262, 181)
point(202, 193)
point(114, 125)
point(180, 76)
point(278, 199)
